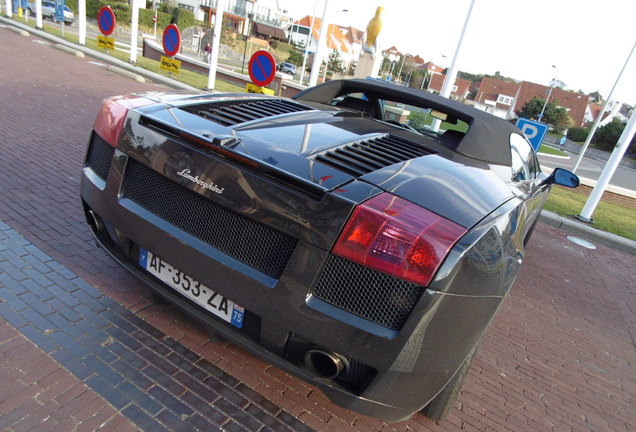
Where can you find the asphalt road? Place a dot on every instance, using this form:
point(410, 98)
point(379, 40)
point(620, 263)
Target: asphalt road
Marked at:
point(83, 344)
point(590, 168)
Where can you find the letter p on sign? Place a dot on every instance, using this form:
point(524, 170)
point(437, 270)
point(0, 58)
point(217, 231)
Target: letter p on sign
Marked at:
point(534, 131)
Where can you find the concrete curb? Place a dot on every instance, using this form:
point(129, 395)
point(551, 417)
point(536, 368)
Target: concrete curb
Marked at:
point(19, 31)
point(588, 232)
point(127, 74)
point(69, 50)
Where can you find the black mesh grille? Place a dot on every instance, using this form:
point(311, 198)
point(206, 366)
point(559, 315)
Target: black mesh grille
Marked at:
point(100, 156)
point(357, 373)
point(243, 239)
point(363, 157)
point(367, 293)
point(235, 112)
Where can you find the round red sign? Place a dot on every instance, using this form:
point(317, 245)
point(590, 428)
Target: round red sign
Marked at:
point(262, 68)
point(171, 40)
point(106, 20)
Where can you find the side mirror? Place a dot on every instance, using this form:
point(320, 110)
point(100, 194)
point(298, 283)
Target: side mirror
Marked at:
point(562, 177)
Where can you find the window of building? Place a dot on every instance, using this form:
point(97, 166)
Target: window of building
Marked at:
point(506, 100)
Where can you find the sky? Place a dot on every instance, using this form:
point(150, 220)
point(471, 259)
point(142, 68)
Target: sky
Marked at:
point(587, 40)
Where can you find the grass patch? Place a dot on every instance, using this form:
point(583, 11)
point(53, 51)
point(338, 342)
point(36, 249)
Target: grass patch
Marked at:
point(551, 151)
point(610, 217)
point(185, 76)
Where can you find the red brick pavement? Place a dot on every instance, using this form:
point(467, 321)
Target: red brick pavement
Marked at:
point(559, 356)
point(38, 395)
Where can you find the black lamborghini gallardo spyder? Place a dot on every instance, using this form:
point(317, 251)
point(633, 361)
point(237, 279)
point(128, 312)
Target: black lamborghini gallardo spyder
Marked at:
point(360, 235)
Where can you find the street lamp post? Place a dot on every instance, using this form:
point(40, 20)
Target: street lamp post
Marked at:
point(311, 29)
point(552, 83)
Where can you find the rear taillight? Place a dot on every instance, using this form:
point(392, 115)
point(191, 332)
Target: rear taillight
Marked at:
point(110, 119)
point(397, 237)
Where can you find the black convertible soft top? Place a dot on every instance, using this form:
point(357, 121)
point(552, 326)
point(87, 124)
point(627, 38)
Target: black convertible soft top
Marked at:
point(487, 139)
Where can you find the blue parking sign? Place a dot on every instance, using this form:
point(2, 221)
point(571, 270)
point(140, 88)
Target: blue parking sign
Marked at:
point(59, 10)
point(533, 130)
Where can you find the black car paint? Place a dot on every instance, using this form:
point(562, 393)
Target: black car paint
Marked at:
point(412, 364)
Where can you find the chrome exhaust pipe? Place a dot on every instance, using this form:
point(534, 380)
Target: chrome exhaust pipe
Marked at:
point(94, 221)
point(326, 364)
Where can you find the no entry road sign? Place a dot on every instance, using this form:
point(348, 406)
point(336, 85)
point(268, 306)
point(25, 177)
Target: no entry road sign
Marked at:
point(171, 40)
point(106, 20)
point(262, 68)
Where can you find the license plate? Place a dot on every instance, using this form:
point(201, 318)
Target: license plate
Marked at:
point(192, 289)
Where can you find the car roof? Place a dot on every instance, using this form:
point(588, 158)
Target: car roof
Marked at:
point(487, 139)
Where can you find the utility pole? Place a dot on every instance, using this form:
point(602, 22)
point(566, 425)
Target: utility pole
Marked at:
point(552, 84)
point(451, 74)
point(315, 66)
point(216, 43)
point(134, 31)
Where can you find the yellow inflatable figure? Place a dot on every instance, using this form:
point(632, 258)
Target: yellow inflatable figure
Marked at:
point(373, 30)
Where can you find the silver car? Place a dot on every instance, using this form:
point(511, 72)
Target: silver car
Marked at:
point(48, 11)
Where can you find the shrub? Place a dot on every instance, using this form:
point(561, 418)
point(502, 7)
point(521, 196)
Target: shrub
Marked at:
point(578, 134)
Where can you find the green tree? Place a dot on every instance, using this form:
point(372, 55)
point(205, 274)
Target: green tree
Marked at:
point(606, 137)
point(297, 53)
point(334, 63)
point(553, 115)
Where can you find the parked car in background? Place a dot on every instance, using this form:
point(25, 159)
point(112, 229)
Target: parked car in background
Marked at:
point(48, 11)
point(339, 234)
point(287, 68)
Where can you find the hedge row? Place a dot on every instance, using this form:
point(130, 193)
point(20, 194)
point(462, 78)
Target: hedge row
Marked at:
point(123, 14)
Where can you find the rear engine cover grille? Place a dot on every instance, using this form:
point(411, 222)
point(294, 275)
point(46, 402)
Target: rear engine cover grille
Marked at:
point(242, 238)
point(236, 112)
point(363, 157)
point(100, 156)
point(367, 293)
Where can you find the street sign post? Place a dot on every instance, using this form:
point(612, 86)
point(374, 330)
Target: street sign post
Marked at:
point(533, 130)
point(262, 68)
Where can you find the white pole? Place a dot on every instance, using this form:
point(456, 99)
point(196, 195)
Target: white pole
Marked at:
point(545, 104)
point(600, 115)
point(308, 44)
point(315, 66)
point(451, 74)
point(81, 10)
point(38, 14)
point(9, 6)
point(608, 171)
point(216, 43)
point(134, 31)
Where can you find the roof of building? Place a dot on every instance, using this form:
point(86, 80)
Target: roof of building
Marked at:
point(432, 67)
point(576, 103)
point(437, 81)
point(335, 40)
point(492, 88)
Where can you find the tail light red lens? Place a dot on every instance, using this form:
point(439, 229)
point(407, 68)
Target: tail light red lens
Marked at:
point(397, 237)
point(110, 119)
